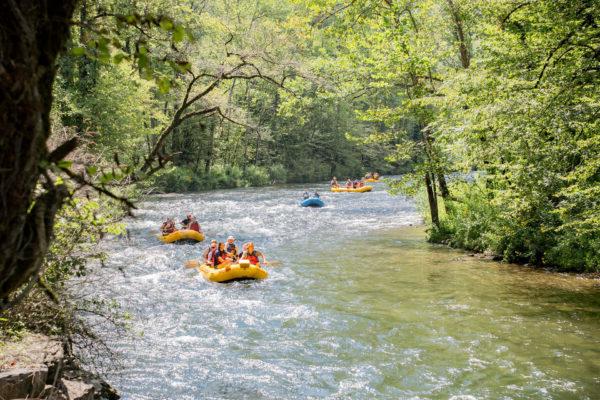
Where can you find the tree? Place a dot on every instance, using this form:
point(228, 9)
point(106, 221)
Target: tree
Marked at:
point(33, 180)
point(32, 34)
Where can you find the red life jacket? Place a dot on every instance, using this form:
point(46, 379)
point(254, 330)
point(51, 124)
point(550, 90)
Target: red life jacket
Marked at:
point(253, 258)
point(167, 228)
point(195, 226)
point(212, 259)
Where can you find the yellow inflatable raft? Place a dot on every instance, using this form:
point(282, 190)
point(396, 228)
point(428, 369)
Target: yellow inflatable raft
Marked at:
point(233, 272)
point(183, 234)
point(358, 190)
point(371, 180)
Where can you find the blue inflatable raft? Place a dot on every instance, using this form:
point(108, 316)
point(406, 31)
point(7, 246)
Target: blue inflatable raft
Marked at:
point(312, 202)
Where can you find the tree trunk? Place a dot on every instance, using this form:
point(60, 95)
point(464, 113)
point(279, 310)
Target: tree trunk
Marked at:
point(256, 153)
point(433, 207)
point(211, 145)
point(245, 155)
point(444, 191)
point(465, 57)
point(32, 33)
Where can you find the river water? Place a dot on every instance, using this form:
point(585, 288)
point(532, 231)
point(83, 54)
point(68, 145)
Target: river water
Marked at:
point(361, 307)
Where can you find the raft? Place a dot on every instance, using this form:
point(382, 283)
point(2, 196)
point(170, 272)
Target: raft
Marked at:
point(358, 190)
point(232, 272)
point(312, 202)
point(371, 180)
point(183, 234)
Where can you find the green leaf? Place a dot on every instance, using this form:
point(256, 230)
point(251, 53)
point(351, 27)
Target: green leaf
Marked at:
point(166, 24)
point(178, 34)
point(64, 164)
point(117, 58)
point(164, 84)
point(78, 51)
point(91, 170)
point(107, 177)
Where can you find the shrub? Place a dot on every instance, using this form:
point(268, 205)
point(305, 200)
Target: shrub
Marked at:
point(277, 173)
point(56, 302)
point(256, 176)
point(181, 179)
point(519, 230)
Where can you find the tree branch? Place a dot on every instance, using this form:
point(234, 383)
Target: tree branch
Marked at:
point(511, 12)
point(549, 58)
point(81, 180)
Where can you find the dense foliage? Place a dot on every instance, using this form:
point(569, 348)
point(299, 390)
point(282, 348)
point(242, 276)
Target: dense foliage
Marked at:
point(507, 89)
point(249, 104)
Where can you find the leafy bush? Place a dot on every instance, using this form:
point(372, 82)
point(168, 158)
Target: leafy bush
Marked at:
point(182, 179)
point(277, 173)
point(256, 176)
point(482, 219)
point(54, 302)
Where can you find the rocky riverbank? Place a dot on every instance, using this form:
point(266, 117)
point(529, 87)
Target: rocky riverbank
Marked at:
point(36, 367)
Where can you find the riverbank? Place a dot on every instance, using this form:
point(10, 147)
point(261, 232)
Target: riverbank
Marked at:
point(480, 219)
point(35, 366)
point(175, 179)
point(491, 256)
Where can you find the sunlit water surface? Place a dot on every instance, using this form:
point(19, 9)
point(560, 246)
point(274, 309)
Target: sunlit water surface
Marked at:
point(360, 308)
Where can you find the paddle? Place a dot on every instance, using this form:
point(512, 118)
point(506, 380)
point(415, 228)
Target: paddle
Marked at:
point(192, 263)
point(274, 263)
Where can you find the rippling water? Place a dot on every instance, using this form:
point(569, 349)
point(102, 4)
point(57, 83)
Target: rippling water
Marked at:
point(360, 308)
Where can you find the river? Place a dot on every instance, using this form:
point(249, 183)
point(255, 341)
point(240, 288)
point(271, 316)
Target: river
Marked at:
point(361, 307)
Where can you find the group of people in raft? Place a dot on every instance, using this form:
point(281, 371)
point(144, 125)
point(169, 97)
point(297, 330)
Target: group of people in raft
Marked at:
point(222, 254)
point(218, 254)
point(354, 184)
point(190, 222)
point(307, 196)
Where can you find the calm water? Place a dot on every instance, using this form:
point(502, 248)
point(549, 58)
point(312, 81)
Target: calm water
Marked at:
point(361, 308)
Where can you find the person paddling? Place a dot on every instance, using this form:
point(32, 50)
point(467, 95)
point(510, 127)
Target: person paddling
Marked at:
point(349, 183)
point(168, 226)
point(190, 222)
point(210, 254)
point(221, 256)
point(252, 255)
point(231, 248)
point(334, 183)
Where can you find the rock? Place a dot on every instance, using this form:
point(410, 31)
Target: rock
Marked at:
point(78, 390)
point(54, 360)
point(36, 367)
point(23, 382)
point(53, 393)
point(31, 351)
point(102, 390)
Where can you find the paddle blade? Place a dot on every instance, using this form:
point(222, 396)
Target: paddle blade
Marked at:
point(192, 263)
point(273, 263)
